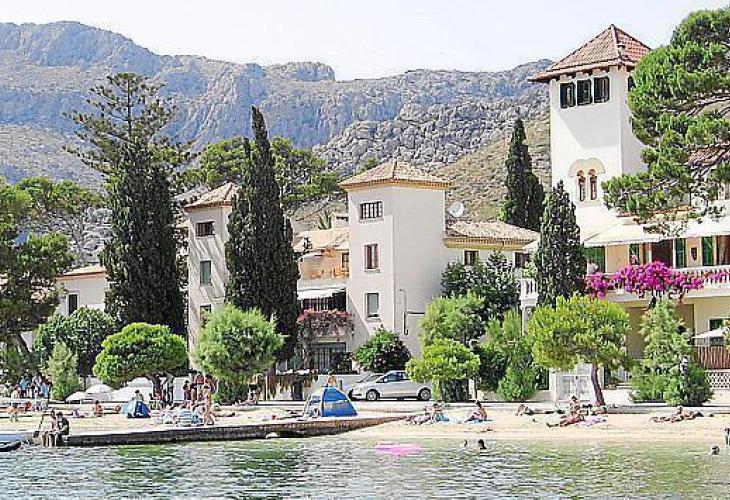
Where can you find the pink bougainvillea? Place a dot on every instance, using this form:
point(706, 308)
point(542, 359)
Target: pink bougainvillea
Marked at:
point(654, 279)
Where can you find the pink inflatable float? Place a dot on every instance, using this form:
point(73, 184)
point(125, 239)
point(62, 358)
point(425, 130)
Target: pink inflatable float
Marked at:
point(398, 449)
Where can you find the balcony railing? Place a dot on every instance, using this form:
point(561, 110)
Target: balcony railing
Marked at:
point(528, 289)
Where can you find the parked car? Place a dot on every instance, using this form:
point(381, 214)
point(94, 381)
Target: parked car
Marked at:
point(394, 384)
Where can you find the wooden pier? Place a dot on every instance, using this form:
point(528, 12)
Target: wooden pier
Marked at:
point(285, 429)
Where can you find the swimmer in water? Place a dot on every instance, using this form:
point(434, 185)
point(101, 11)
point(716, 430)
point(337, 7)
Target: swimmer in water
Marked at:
point(715, 450)
point(481, 444)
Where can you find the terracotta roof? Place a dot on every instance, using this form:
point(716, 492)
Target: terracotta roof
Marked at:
point(321, 239)
point(612, 47)
point(218, 197)
point(494, 232)
point(90, 270)
point(395, 172)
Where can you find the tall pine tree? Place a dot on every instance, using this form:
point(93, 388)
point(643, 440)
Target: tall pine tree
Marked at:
point(559, 261)
point(525, 195)
point(263, 269)
point(125, 132)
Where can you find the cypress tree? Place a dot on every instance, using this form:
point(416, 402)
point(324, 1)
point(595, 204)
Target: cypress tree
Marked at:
point(559, 261)
point(263, 269)
point(525, 195)
point(129, 145)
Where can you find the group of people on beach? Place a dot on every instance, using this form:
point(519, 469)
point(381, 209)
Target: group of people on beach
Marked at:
point(27, 387)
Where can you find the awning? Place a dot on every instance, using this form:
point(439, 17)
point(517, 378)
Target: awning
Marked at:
point(319, 293)
point(717, 332)
point(708, 227)
point(622, 235)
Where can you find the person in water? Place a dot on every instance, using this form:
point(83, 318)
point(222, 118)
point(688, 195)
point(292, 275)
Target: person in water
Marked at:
point(481, 445)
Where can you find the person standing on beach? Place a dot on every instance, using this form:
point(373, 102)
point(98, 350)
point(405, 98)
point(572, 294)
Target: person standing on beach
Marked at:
point(186, 391)
point(331, 379)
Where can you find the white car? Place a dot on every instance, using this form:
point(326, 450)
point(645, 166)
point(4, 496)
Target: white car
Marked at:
point(394, 384)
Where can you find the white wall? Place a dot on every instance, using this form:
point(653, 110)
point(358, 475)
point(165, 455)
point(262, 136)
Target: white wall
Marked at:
point(90, 290)
point(206, 248)
point(709, 308)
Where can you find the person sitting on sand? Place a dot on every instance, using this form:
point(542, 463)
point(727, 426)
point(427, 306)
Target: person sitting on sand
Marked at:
point(98, 409)
point(478, 415)
point(437, 414)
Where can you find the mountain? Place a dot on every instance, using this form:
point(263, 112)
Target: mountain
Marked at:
point(430, 118)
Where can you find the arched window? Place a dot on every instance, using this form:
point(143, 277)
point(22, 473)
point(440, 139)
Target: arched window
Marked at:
point(593, 181)
point(581, 186)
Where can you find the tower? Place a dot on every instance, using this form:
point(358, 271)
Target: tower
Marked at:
point(591, 139)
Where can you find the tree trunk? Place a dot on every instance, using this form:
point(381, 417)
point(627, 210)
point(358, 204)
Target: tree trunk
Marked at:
point(18, 339)
point(597, 385)
point(156, 386)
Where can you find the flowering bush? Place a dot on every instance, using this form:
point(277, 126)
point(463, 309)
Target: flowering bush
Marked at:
point(312, 325)
point(654, 279)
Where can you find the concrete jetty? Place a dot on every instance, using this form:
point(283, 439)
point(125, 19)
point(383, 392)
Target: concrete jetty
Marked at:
point(283, 428)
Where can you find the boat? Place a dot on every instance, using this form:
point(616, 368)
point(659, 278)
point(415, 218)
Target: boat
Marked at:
point(10, 446)
point(22, 437)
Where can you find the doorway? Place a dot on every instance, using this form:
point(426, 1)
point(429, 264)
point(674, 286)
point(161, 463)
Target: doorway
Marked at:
point(661, 251)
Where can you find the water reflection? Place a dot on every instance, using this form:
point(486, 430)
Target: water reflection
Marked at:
point(343, 467)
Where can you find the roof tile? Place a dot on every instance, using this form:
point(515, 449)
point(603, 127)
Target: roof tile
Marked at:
point(394, 172)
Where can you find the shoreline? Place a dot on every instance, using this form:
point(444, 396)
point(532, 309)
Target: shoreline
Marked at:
point(504, 426)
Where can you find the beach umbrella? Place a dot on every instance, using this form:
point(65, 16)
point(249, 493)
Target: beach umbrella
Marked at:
point(77, 397)
point(99, 389)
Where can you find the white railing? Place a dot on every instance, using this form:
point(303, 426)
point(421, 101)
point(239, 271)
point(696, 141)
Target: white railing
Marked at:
point(713, 276)
point(528, 289)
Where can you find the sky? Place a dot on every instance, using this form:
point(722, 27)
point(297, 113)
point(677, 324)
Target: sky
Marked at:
point(367, 38)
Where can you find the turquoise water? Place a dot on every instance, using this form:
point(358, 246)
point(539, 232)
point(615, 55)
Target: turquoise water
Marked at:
point(342, 467)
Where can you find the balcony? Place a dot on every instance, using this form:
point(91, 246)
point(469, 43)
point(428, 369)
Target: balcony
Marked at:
point(323, 277)
point(528, 292)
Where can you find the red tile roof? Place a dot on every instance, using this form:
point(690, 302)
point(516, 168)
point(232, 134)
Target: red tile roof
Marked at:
point(218, 197)
point(612, 47)
point(394, 172)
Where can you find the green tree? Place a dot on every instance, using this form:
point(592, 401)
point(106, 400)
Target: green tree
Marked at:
point(63, 206)
point(492, 281)
point(126, 140)
point(457, 318)
point(579, 330)
point(302, 176)
point(382, 352)
point(443, 360)
point(260, 259)
point(559, 261)
point(140, 350)
point(236, 344)
point(13, 364)
point(82, 332)
point(680, 107)
point(525, 195)
point(29, 267)
point(661, 376)
point(508, 340)
point(62, 371)
point(367, 165)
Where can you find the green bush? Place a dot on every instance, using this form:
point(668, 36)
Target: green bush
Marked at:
point(62, 368)
point(457, 318)
point(659, 376)
point(492, 367)
point(444, 360)
point(384, 351)
point(518, 384)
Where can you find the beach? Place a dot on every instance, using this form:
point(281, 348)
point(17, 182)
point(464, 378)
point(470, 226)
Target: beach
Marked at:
point(503, 425)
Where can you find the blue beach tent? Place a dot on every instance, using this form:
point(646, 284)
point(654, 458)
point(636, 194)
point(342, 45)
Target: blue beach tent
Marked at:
point(329, 402)
point(136, 409)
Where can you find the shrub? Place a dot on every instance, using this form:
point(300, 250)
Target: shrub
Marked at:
point(456, 318)
point(444, 360)
point(62, 370)
point(140, 350)
point(659, 377)
point(384, 351)
point(518, 383)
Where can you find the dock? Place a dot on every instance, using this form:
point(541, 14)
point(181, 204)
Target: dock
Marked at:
point(289, 428)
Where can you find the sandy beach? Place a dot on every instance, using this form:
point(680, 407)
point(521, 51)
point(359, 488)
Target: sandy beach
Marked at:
point(504, 425)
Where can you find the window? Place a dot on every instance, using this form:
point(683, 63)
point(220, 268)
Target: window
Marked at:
point(205, 312)
point(581, 186)
point(584, 93)
point(371, 257)
point(630, 84)
point(471, 257)
point(708, 251)
point(327, 355)
point(596, 258)
point(567, 95)
point(593, 183)
point(345, 261)
point(635, 254)
point(680, 253)
point(716, 323)
point(371, 210)
point(72, 302)
point(205, 272)
point(203, 229)
point(521, 259)
point(372, 305)
point(601, 89)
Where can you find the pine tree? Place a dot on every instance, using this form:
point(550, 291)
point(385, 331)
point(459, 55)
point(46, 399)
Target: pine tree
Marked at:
point(128, 144)
point(525, 195)
point(263, 269)
point(559, 261)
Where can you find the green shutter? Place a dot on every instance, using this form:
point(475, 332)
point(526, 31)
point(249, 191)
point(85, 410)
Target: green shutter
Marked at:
point(680, 253)
point(708, 253)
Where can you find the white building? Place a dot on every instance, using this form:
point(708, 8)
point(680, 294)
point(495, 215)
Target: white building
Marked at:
point(82, 287)
point(382, 263)
point(591, 141)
